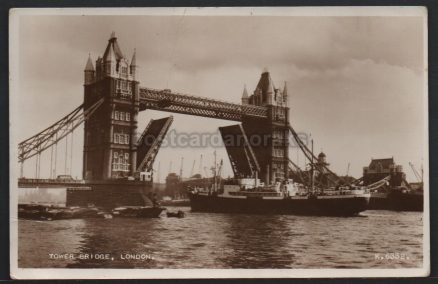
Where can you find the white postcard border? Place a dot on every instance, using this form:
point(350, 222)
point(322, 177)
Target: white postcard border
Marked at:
point(105, 273)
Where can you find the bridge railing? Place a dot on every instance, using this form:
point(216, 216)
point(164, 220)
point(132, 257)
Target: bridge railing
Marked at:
point(49, 181)
point(201, 102)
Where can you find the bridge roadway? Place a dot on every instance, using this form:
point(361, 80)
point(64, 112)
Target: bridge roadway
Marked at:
point(76, 183)
point(50, 183)
point(165, 100)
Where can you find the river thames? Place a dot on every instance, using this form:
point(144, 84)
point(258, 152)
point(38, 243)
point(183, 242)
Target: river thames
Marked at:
point(375, 239)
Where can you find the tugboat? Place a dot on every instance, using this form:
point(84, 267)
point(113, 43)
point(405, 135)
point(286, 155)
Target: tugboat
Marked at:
point(250, 195)
point(153, 211)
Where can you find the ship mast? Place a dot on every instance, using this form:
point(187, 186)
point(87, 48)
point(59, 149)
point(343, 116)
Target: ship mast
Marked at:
point(158, 172)
point(312, 178)
point(193, 168)
point(215, 171)
point(181, 168)
point(200, 166)
point(422, 174)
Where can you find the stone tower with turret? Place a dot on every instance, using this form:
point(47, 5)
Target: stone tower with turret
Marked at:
point(269, 137)
point(110, 135)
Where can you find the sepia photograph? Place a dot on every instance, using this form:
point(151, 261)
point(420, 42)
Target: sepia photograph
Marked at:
point(247, 142)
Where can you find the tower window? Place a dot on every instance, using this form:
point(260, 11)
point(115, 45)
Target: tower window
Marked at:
point(126, 162)
point(116, 115)
point(120, 161)
point(128, 116)
point(120, 138)
point(124, 85)
point(116, 161)
point(122, 115)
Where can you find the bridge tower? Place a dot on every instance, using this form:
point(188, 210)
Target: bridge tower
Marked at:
point(110, 135)
point(269, 136)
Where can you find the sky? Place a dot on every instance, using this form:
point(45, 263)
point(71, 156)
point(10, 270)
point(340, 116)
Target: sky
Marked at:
point(356, 84)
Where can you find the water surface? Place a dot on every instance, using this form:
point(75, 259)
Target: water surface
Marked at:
point(377, 239)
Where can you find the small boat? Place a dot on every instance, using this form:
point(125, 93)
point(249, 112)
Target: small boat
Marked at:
point(32, 211)
point(138, 211)
point(179, 214)
point(48, 212)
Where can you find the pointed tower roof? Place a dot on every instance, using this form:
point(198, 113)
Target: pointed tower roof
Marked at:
point(109, 54)
point(133, 60)
point(117, 50)
point(89, 66)
point(113, 44)
point(285, 89)
point(265, 83)
point(245, 92)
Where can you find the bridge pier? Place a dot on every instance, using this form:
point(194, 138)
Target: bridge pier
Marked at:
point(110, 194)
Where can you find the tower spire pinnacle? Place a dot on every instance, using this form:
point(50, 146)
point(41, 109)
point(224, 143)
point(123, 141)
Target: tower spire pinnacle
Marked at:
point(285, 92)
point(245, 97)
point(133, 65)
point(134, 58)
point(89, 66)
point(89, 71)
point(245, 92)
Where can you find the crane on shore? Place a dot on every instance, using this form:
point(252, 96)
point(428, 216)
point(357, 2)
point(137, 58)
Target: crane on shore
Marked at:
point(192, 172)
point(416, 173)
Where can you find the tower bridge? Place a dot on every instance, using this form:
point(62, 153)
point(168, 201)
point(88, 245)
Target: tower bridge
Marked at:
point(116, 159)
point(165, 100)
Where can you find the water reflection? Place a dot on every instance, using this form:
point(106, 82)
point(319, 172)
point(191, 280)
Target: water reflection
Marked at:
point(257, 241)
point(208, 240)
point(106, 242)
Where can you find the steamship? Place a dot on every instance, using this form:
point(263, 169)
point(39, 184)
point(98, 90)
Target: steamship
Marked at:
point(276, 192)
point(252, 196)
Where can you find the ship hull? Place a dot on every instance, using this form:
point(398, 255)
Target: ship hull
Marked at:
point(400, 201)
point(397, 201)
point(328, 206)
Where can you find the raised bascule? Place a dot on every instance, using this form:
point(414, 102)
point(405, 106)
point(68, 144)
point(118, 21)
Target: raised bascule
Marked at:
point(117, 161)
